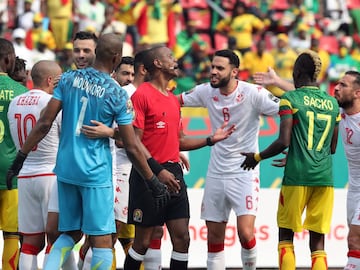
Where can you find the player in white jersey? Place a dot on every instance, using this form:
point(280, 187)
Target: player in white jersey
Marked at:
point(227, 186)
point(36, 177)
point(347, 93)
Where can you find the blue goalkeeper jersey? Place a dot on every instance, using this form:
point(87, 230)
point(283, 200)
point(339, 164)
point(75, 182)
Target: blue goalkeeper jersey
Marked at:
point(88, 94)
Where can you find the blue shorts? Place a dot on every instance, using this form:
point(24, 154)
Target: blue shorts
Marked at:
point(89, 209)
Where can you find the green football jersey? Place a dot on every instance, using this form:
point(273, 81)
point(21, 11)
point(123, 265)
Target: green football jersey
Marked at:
point(8, 90)
point(315, 115)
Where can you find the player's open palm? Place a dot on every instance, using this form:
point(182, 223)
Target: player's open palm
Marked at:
point(223, 132)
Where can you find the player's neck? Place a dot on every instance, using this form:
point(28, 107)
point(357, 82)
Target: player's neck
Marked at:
point(353, 109)
point(160, 85)
point(229, 88)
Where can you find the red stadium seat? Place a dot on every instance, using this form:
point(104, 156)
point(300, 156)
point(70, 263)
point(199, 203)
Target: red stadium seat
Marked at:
point(201, 16)
point(329, 44)
point(194, 3)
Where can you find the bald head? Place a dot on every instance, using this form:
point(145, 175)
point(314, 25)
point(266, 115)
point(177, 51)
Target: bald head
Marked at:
point(108, 45)
point(44, 73)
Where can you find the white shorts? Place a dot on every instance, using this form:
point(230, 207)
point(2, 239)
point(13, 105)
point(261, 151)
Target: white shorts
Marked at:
point(221, 194)
point(34, 196)
point(353, 208)
point(54, 200)
point(122, 192)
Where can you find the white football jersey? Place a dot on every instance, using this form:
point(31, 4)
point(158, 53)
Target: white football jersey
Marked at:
point(24, 111)
point(243, 108)
point(121, 157)
point(350, 133)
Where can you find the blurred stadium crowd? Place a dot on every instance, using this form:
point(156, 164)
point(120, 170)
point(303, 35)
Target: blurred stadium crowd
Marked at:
point(263, 33)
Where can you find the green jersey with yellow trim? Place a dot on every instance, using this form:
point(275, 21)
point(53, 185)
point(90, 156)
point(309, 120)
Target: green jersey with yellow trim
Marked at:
point(315, 115)
point(8, 90)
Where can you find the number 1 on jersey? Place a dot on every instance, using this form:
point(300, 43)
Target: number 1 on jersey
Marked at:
point(80, 121)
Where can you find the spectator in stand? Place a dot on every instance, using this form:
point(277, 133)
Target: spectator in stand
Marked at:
point(153, 21)
point(186, 39)
point(284, 57)
point(325, 62)
point(125, 14)
point(259, 60)
point(66, 58)
point(20, 49)
point(241, 25)
point(91, 14)
point(111, 25)
point(300, 38)
point(60, 14)
point(41, 52)
point(339, 64)
point(37, 32)
point(25, 20)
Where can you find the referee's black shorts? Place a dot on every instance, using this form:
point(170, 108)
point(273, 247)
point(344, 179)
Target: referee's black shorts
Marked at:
point(141, 202)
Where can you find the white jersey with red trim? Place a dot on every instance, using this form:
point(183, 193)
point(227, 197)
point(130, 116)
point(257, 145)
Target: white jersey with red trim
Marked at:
point(350, 133)
point(24, 111)
point(243, 108)
point(121, 157)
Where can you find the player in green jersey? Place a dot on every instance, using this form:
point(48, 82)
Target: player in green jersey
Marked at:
point(309, 129)
point(8, 198)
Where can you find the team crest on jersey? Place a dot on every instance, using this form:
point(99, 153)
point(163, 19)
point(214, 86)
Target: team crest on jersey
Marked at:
point(130, 108)
point(239, 97)
point(215, 98)
point(138, 215)
point(273, 98)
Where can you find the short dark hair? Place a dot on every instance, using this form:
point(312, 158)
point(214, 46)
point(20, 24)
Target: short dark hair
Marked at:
point(150, 55)
point(20, 64)
point(229, 54)
point(139, 60)
point(125, 60)
point(83, 35)
point(6, 47)
point(355, 74)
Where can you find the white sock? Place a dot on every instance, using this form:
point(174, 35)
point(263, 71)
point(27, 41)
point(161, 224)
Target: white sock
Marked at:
point(152, 259)
point(27, 262)
point(70, 263)
point(248, 257)
point(87, 260)
point(216, 260)
point(352, 264)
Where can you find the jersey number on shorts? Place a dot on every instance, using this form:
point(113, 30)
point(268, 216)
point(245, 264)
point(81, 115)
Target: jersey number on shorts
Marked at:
point(80, 121)
point(320, 117)
point(22, 127)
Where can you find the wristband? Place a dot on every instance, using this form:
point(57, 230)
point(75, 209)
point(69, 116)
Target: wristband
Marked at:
point(154, 166)
point(209, 142)
point(257, 157)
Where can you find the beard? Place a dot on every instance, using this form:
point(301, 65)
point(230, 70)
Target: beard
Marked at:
point(345, 104)
point(222, 83)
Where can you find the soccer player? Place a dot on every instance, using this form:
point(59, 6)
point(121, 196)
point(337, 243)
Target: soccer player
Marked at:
point(8, 198)
point(309, 128)
point(84, 45)
point(36, 178)
point(227, 186)
point(158, 126)
point(347, 93)
point(85, 199)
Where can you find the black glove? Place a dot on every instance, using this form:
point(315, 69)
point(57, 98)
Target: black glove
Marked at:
point(15, 168)
point(160, 193)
